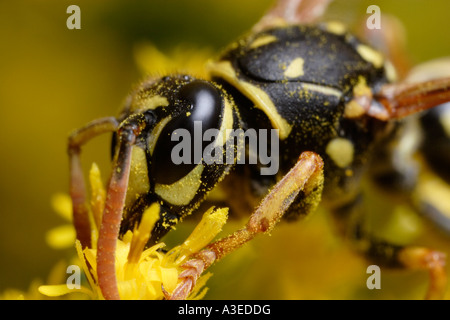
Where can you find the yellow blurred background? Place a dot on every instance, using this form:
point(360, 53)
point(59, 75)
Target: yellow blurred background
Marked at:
point(53, 80)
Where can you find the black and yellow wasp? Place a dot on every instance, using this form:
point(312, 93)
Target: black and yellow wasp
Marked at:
point(337, 107)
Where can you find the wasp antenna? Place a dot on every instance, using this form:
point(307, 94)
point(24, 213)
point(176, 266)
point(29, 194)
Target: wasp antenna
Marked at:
point(77, 185)
point(403, 99)
point(115, 200)
point(80, 215)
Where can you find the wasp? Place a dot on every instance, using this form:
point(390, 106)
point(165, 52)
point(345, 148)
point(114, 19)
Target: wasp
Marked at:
point(338, 110)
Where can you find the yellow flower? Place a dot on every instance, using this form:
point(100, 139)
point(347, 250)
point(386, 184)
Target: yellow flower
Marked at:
point(14, 294)
point(32, 293)
point(181, 59)
point(141, 273)
point(63, 236)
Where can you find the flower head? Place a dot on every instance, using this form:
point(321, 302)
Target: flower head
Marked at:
point(142, 273)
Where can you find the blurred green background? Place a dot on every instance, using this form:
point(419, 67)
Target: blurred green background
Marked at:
point(53, 80)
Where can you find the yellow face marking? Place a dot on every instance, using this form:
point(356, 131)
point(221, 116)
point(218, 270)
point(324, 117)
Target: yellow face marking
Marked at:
point(257, 96)
point(150, 103)
point(336, 27)
point(370, 55)
point(263, 40)
point(182, 191)
point(138, 182)
point(295, 68)
point(444, 119)
point(153, 137)
point(227, 123)
point(341, 151)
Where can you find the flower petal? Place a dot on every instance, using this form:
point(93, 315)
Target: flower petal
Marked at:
point(62, 289)
point(211, 224)
point(169, 278)
point(142, 233)
point(61, 237)
point(62, 204)
point(98, 196)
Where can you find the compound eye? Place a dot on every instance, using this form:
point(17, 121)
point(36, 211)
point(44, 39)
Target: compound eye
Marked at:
point(204, 106)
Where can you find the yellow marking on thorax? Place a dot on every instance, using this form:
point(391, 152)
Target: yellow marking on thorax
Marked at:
point(370, 55)
point(256, 95)
point(181, 192)
point(362, 98)
point(295, 68)
point(262, 101)
point(322, 89)
point(361, 88)
point(336, 27)
point(262, 40)
point(353, 110)
point(341, 151)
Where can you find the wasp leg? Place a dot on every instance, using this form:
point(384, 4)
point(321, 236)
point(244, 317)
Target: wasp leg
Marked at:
point(292, 12)
point(396, 172)
point(402, 99)
point(303, 180)
point(77, 185)
point(385, 254)
point(419, 258)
